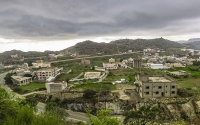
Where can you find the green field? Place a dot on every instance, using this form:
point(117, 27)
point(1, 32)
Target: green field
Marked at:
point(192, 83)
point(76, 70)
point(95, 86)
point(128, 74)
point(33, 86)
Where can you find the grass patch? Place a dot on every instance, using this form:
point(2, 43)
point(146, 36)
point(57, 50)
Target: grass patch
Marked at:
point(33, 86)
point(189, 83)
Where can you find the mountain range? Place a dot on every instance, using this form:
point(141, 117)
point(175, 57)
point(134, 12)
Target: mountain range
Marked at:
point(92, 48)
point(122, 45)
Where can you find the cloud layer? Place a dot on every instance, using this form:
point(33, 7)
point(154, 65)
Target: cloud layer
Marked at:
point(70, 19)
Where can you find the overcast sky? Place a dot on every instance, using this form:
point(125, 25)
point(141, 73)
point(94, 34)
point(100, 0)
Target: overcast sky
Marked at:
point(57, 24)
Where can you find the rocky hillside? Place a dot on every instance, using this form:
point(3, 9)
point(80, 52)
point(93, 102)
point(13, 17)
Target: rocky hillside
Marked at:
point(122, 45)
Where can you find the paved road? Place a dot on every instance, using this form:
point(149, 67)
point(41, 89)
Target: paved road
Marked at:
point(75, 116)
point(27, 94)
point(94, 57)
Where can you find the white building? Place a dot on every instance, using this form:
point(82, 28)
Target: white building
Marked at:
point(55, 87)
point(14, 56)
point(99, 68)
point(158, 66)
point(111, 60)
point(110, 65)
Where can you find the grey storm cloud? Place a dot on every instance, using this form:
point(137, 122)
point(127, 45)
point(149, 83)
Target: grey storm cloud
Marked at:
point(85, 18)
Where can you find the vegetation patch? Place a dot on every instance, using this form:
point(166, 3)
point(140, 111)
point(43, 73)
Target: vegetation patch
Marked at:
point(34, 86)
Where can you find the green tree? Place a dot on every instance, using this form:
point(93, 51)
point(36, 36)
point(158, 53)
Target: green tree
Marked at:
point(52, 108)
point(20, 112)
point(8, 107)
point(103, 118)
point(30, 63)
point(8, 79)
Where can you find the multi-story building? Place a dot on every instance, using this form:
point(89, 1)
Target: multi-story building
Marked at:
point(20, 80)
point(44, 74)
point(153, 86)
point(137, 63)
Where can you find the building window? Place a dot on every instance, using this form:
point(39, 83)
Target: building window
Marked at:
point(173, 87)
point(157, 93)
point(166, 86)
point(173, 92)
point(159, 87)
point(147, 87)
point(147, 93)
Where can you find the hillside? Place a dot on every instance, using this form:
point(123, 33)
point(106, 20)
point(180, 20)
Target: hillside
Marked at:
point(122, 45)
point(196, 44)
point(90, 47)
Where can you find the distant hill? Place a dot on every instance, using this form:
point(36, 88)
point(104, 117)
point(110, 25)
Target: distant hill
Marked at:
point(122, 45)
point(5, 57)
point(196, 44)
point(89, 47)
point(193, 39)
point(189, 40)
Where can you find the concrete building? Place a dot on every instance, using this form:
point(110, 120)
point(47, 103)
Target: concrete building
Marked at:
point(20, 80)
point(175, 65)
point(122, 65)
point(137, 63)
point(85, 62)
point(179, 73)
point(55, 87)
point(130, 51)
point(92, 75)
point(14, 56)
point(149, 86)
point(130, 60)
point(52, 56)
point(44, 74)
point(111, 60)
point(110, 65)
point(41, 65)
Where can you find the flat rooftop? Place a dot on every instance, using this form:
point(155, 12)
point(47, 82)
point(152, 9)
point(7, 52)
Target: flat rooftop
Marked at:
point(20, 78)
point(158, 79)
